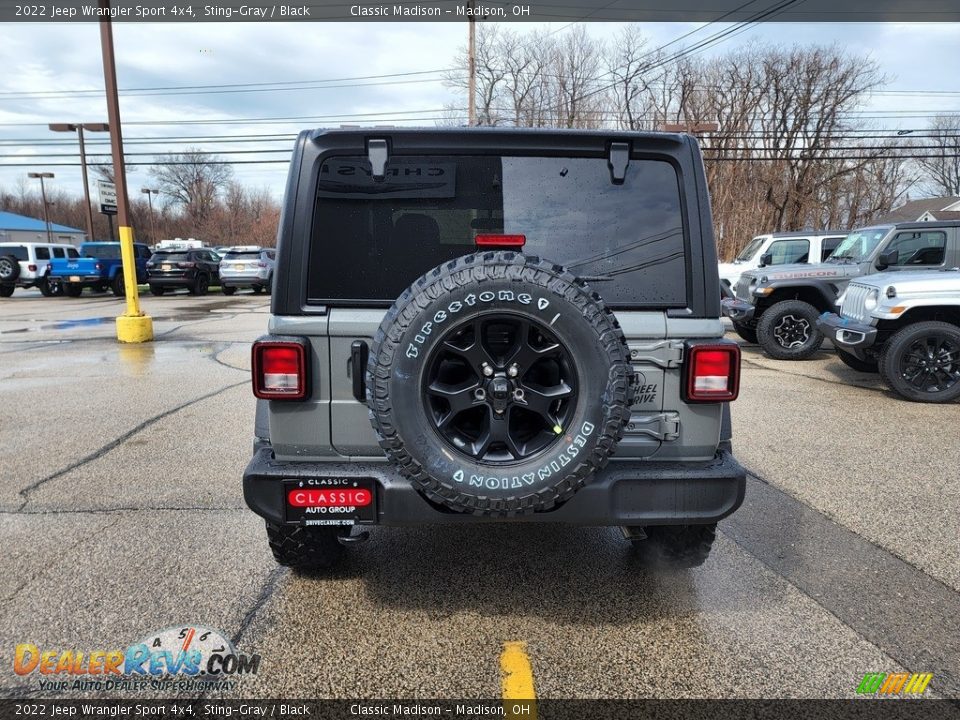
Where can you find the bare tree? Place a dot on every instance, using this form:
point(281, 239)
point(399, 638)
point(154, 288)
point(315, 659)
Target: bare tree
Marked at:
point(941, 173)
point(629, 61)
point(787, 155)
point(490, 73)
point(103, 169)
point(193, 180)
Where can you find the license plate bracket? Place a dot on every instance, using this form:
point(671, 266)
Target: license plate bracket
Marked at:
point(335, 500)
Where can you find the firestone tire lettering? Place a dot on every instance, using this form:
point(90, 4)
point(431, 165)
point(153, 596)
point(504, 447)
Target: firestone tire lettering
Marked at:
point(498, 283)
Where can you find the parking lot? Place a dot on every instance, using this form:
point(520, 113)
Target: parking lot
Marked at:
point(123, 514)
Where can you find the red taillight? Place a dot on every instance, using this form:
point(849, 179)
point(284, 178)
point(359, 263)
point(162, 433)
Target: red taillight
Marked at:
point(279, 370)
point(32, 267)
point(261, 264)
point(98, 266)
point(185, 265)
point(491, 240)
point(713, 373)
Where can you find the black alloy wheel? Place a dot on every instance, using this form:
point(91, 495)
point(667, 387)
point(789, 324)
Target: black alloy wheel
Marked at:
point(500, 388)
point(921, 362)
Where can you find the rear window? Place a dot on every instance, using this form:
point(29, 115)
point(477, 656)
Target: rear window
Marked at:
point(372, 239)
point(17, 251)
point(102, 252)
point(162, 257)
point(244, 255)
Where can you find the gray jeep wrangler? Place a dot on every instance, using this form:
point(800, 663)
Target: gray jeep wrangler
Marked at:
point(494, 325)
point(778, 307)
point(905, 327)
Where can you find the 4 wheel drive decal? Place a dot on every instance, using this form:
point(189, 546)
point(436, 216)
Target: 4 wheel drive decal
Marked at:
point(487, 296)
point(518, 481)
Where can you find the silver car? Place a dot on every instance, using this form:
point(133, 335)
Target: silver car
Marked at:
point(247, 266)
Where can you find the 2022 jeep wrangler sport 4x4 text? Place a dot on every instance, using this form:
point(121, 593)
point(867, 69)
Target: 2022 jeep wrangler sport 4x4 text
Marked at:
point(494, 325)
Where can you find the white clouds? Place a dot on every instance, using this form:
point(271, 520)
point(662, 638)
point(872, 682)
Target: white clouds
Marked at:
point(51, 57)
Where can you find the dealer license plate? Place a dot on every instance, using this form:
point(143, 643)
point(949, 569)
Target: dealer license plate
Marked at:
point(167, 267)
point(74, 278)
point(331, 500)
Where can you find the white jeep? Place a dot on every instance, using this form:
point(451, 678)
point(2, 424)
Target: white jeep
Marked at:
point(904, 326)
point(782, 248)
point(26, 265)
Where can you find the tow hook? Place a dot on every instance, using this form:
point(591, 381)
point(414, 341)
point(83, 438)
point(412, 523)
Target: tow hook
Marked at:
point(358, 538)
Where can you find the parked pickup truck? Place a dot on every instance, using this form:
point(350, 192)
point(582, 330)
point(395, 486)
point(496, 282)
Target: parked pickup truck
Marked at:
point(907, 327)
point(99, 266)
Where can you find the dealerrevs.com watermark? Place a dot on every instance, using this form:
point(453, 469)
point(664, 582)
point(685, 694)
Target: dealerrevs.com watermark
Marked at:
point(189, 658)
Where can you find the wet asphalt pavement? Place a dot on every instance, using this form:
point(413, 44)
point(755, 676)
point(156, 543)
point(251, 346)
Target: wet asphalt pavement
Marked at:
point(122, 513)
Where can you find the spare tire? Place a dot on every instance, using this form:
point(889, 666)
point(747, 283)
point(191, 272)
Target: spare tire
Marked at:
point(498, 383)
point(9, 268)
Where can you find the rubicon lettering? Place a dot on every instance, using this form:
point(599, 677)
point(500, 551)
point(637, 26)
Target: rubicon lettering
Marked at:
point(472, 300)
point(565, 457)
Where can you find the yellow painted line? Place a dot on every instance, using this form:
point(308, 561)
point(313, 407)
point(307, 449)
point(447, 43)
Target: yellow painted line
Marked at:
point(517, 679)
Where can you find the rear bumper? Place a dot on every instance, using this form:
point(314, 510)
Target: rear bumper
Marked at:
point(737, 310)
point(82, 279)
point(172, 280)
point(623, 493)
point(845, 333)
point(243, 281)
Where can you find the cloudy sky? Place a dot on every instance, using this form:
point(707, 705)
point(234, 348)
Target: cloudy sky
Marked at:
point(53, 74)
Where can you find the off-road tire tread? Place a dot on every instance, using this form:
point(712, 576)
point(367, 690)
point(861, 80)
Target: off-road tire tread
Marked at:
point(765, 330)
point(746, 332)
point(304, 548)
point(449, 277)
point(855, 363)
point(684, 546)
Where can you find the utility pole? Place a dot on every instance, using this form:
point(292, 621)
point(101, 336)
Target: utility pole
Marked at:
point(471, 67)
point(92, 127)
point(150, 192)
point(133, 326)
point(43, 197)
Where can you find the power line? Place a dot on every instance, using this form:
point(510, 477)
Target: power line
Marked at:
point(253, 121)
point(224, 87)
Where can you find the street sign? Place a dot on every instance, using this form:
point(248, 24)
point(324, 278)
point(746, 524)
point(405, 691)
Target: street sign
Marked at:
point(108, 197)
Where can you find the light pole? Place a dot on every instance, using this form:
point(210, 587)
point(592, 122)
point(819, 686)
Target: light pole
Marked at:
point(43, 195)
point(150, 192)
point(471, 68)
point(133, 326)
point(92, 127)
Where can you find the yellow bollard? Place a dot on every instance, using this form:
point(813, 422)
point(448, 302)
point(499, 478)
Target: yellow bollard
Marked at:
point(133, 326)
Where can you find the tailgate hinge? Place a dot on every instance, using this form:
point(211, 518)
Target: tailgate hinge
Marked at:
point(377, 154)
point(665, 353)
point(617, 161)
point(663, 426)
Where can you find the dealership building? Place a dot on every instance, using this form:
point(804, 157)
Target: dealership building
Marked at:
point(20, 228)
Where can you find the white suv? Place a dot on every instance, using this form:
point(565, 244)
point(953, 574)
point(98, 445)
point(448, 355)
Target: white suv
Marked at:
point(247, 266)
point(26, 265)
point(784, 248)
